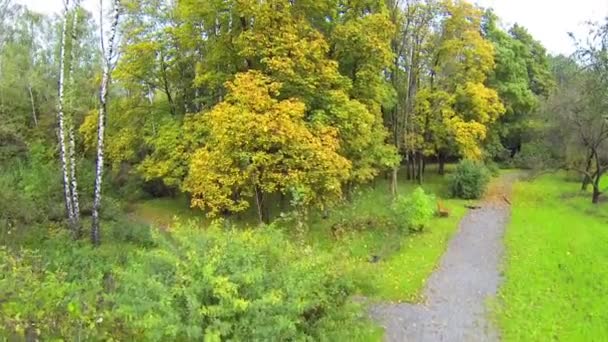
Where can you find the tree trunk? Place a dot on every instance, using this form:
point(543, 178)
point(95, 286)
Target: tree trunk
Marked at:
point(34, 116)
point(408, 162)
point(596, 194)
point(258, 202)
point(586, 178)
point(419, 171)
point(596, 177)
point(394, 175)
point(74, 183)
point(72, 140)
point(265, 209)
point(423, 164)
point(166, 86)
point(441, 162)
point(60, 119)
point(103, 98)
point(413, 166)
point(348, 191)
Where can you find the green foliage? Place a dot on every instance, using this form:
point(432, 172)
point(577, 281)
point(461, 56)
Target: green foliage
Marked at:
point(521, 77)
point(16, 211)
point(415, 210)
point(30, 193)
point(555, 274)
point(535, 156)
point(124, 231)
point(365, 227)
point(193, 286)
point(493, 168)
point(469, 180)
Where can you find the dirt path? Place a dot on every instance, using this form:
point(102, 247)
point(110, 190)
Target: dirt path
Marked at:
point(456, 293)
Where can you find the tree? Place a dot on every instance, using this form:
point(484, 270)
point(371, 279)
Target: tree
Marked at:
point(521, 77)
point(455, 108)
point(258, 144)
point(69, 178)
point(103, 99)
point(589, 117)
point(413, 24)
point(577, 111)
point(28, 80)
point(288, 48)
point(288, 43)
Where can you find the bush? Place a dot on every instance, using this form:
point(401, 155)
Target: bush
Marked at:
point(535, 156)
point(493, 168)
point(415, 210)
point(469, 180)
point(134, 233)
point(213, 285)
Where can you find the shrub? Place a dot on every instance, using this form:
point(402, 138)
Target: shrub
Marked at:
point(212, 285)
point(134, 233)
point(415, 210)
point(535, 156)
point(469, 180)
point(493, 168)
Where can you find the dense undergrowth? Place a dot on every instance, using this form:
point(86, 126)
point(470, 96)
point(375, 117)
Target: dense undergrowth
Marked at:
point(167, 272)
point(187, 286)
point(557, 264)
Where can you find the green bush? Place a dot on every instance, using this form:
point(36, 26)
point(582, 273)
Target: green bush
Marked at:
point(493, 168)
point(213, 285)
point(469, 180)
point(416, 210)
point(535, 156)
point(134, 233)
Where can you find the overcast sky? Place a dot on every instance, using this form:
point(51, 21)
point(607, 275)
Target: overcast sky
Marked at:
point(548, 20)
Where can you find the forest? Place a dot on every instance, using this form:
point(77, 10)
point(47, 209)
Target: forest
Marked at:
point(277, 170)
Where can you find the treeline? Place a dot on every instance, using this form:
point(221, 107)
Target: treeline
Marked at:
point(573, 129)
point(238, 102)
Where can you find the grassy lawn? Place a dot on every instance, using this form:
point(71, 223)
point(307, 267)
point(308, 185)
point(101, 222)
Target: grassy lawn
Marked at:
point(556, 269)
point(404, 261)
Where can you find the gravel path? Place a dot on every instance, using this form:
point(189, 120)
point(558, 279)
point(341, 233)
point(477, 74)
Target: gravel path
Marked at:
point(456, 293)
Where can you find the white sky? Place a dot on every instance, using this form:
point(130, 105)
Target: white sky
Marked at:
point(55, 6)
point(550, 20)
point(547, 20)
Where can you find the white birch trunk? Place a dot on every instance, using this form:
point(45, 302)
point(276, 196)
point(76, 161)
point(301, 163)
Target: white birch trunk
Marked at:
point(73, 180)
point(60, 118)
point(34, 116)
point(72, 142)
point(103, 98)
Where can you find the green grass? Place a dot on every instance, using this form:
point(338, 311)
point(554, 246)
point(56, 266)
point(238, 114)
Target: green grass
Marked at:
point(556, 269)
point(406, 260)
point(161, 212)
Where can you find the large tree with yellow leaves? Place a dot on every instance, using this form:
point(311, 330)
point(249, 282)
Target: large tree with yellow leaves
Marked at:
point(257, 145)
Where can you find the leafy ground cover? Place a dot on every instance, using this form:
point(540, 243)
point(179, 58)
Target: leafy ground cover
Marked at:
point(556, 268)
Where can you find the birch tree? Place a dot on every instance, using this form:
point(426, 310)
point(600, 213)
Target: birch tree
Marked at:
point(67, 187)
point(103, 99)
point(72, 140)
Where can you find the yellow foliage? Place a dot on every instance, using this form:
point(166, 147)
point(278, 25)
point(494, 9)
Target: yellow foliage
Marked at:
point(257, 143)
point(457, 109)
